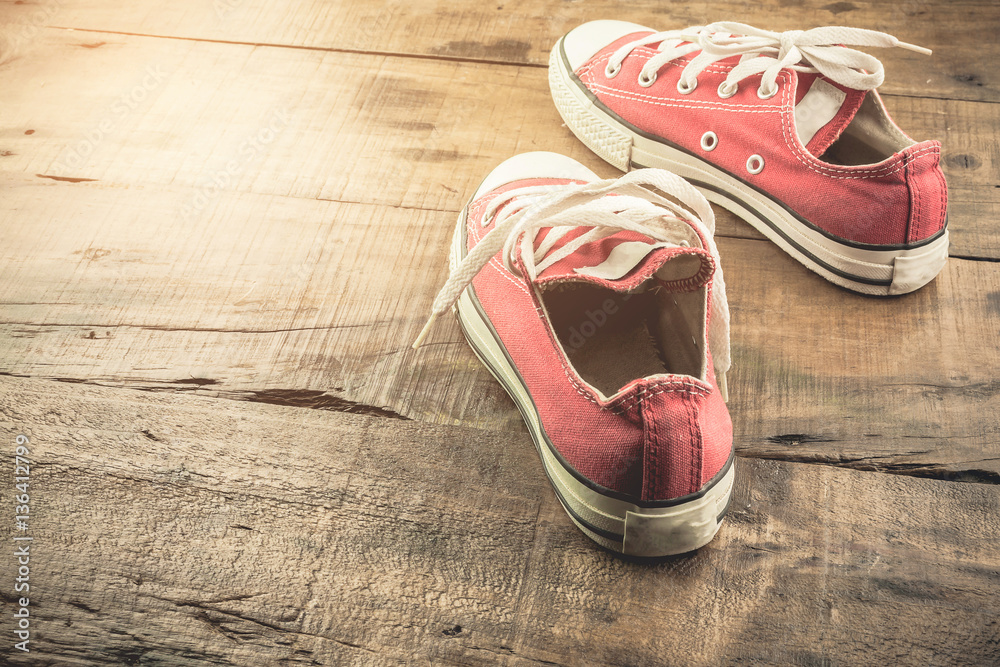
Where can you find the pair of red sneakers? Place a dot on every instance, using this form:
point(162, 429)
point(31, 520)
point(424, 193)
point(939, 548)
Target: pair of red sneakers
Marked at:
point(600, 304)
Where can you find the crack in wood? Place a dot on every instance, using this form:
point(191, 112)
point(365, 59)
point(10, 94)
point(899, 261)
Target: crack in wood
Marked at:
point(230, 598)
point(322, 49)
point(201, 382)
point(318, 400)
point(153, 327)
point(507, 652)
point(82, 606)
point(66, 179)
point(313, 399)
point(242, 527)
point(452, 631)
point(976, 390)
point(872, 464)
point(204, 606)
point(792, 439)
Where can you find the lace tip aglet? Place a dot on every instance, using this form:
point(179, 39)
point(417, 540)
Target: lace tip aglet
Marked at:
point(723, 388)
point(423, 332)
point(918, 49)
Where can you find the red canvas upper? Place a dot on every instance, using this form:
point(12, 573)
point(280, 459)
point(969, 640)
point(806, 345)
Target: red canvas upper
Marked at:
point(902, 199)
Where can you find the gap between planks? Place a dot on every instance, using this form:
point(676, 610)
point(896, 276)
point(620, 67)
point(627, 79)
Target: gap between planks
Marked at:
point(321, 49)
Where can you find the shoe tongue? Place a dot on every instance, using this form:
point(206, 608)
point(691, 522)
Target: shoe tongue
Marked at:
point(625, 260)
point(823, 109)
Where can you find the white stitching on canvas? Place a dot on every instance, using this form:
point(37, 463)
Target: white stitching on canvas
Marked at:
point(806, 159)
point(812, 164)
point(473, 231)
point(698, 104)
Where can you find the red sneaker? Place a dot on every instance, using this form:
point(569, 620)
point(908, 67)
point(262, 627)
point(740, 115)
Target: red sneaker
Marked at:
point(785, 130)
point(595, 303)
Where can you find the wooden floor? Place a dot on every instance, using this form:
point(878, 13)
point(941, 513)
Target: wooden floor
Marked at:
point(224, 222)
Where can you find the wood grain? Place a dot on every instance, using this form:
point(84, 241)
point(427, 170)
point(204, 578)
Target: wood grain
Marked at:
point(522, 32)
point(277, 535)
point(899, 384)
point(304, 302)
point(321, 125)
point(224, 222)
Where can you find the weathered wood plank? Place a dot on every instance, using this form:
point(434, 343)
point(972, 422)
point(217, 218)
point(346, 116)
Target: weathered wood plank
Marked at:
point(269, 225)
point(521, 32)
point(893, 384)
point(315, 303)
point(275, 535)
point(223, 117)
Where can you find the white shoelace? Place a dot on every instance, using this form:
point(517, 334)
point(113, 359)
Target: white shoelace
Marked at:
point(820, 50)
point(566, 207)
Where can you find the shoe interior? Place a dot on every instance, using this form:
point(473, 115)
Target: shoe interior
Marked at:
point(869, 138)
point(613, 338)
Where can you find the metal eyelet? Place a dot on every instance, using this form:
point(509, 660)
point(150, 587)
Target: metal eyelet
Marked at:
point(645, 81)
point(684, 88)
point(768, 95)
point(709, 141)
point(755, 164)
point(724, 94)
point(611, 72)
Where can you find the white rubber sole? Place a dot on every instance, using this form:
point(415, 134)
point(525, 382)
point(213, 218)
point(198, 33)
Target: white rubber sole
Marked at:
point(613, 523)
point(861, 269)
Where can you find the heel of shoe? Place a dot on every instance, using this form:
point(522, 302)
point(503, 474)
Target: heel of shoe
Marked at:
point(681, 529)
point(653, 532)
point(610, 143)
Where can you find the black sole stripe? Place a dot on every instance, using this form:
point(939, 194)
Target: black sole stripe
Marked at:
point(780, 232)
point(606, 534)
point(725, 510)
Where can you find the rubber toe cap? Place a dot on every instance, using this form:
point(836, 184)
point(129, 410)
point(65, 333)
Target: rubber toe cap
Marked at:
point(582, 42)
